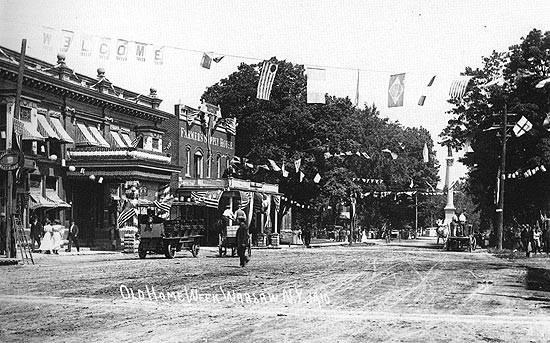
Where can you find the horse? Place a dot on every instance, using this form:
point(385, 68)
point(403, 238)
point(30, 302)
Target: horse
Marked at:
point(443, 233)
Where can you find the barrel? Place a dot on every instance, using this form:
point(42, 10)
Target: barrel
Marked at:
point(274, 239)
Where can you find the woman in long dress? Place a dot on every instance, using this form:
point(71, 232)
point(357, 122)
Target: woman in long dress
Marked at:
point(46, 246)
point(364, 236)
point(56, 237)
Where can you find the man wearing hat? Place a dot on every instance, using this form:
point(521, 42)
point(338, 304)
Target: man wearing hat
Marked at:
point(3, 233)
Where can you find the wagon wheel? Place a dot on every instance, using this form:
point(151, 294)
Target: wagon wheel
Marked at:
point(233, 251)
point(170, 250)
point(141, 251)
point(195, 249)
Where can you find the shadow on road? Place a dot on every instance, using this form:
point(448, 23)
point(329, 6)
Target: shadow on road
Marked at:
point(538, 279)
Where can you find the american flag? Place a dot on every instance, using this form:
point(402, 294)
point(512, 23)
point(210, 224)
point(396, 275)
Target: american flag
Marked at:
point(231, 125)
point(269, 70)
point(125, 216)
point(245, 199)
point(458, 86)
point(137, 141)
point(208, 198)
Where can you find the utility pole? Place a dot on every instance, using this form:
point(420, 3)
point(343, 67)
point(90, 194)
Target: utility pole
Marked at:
point(10, 208)
point(502, 175)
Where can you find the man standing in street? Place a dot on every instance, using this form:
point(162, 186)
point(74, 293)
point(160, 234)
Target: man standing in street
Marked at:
point(36, 232)
point(243, 241)
point(73, 236)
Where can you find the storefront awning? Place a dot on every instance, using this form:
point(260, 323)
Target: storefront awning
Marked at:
point(44, 127)
point(126, 137)
point(99, 137)
point(38, 201)
point(30, 133)
point(63, 135)
point(88, 137)
point(118, 140)
point(52, 195)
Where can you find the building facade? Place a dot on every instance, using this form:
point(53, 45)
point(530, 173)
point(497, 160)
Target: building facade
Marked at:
point(90, 148)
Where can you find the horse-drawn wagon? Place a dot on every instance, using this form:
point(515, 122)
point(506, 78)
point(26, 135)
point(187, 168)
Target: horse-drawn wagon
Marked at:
point(458, 238)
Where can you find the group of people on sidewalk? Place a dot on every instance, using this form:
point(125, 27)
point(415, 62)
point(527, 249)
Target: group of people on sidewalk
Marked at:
point(532, 239)
point(49, 236)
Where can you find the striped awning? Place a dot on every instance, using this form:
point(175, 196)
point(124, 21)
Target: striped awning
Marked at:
point(118, 140)
point(88, 137)
point(99, 137)
point(30, 133)
point(58, 127)
point(45, 128)
point(38, 201)
point(52, 195)
point(126, 137)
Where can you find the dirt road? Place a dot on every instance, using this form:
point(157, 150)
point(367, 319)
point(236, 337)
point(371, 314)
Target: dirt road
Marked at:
point(398, 292)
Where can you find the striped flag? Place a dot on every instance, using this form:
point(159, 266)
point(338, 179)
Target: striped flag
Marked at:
point(208, 198)
point(231, 125)
point(266, 80)
point(163, 206)
point(126, 215)
point(138, 142)
point(458, 86)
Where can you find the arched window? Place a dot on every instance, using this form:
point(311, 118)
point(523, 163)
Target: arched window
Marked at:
point(198, 165)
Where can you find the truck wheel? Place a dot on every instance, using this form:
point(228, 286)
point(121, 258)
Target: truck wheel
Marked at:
point(170, 251)
point(195, 249)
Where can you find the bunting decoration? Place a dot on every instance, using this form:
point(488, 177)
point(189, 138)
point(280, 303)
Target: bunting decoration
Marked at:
point(208, 198)
point(396, 90)
point(543, 83)
point(231, 125)
point(317, 178)
point(348, 153)
point(269, 70)
point(392, 154)
point(274, 166)
point(315, 84)
point(522, 126)
point(423, 97)
point(301, 176)
point(375, 181)
point(285, 172)
point(206, 60)
point(458, 87)
point(297, 164)
point(525, 173)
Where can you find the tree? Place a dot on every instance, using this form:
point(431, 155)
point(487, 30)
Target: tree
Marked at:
point(521, 68)
point(286, 128)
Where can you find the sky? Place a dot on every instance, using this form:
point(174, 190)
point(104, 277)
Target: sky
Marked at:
point(378, 38)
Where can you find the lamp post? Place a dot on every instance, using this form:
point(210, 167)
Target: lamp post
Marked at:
point(502, 176)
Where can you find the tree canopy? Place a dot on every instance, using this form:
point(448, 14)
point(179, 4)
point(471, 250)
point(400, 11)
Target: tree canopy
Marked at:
point(286, 128)
point(507, 82)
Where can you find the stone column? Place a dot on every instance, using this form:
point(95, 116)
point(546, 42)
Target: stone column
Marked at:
point(450, 207)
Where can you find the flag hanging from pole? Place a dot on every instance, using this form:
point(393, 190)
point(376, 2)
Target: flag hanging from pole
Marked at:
point(315, 84)
point(522, 126)
point(267, 76)
point(396, 90)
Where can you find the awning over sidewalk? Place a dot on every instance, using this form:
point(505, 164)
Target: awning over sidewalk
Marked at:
point(99, 137)
point(38, 201)
point(45, 128)
point(63, 135)
point(118, 140)
point(53, 196)
point(88, 138)
point(30, 133)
